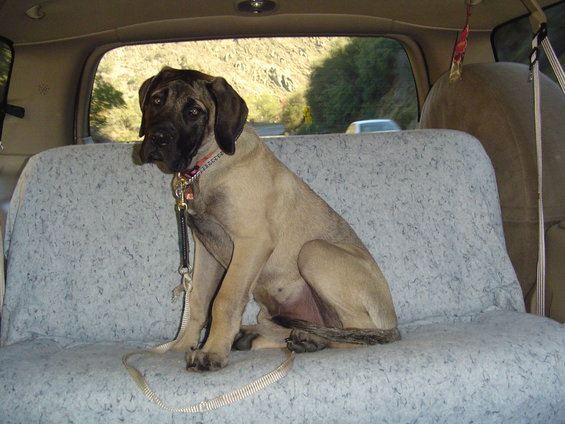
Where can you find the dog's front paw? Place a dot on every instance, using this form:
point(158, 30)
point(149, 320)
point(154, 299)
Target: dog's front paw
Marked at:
point(205, 361)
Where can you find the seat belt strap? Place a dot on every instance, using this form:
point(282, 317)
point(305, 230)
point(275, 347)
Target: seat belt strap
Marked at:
point(554, 62)
point(538, 22)
point(2, 278)
point(540, 281)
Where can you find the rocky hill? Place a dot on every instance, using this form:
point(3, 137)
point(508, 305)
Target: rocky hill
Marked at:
point(264, 71)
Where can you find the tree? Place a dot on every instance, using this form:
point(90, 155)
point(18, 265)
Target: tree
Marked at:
point(104, 98)
point(348, 85)
point(5, 63)
point(293, 112)
point(264, 108)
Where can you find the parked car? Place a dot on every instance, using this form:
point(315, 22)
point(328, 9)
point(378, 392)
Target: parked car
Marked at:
point(372, 125)
point(449, 207)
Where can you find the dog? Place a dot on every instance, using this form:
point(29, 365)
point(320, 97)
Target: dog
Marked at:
point(258, 230)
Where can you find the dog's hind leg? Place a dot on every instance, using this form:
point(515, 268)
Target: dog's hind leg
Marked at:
point(253, 337)
point(264, 335)
point(346, 278)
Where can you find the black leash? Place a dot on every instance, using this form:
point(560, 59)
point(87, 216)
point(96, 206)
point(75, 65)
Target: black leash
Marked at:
point(180, 185)
point(184, 245)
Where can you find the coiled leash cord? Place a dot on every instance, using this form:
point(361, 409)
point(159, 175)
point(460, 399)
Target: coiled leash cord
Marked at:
point(182, 189)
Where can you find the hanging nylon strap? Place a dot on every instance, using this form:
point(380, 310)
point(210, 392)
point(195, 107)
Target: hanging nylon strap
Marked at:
point(538, 22)
point(554, 62)
point(534, 76)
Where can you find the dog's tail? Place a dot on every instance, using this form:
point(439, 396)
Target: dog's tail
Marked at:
point(364, 336)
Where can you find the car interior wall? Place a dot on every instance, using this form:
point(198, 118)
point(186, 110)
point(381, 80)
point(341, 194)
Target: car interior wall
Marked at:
point(437, 47)
point(479, 49)
point(418, 66)
point(44, 81)
point(438, 50)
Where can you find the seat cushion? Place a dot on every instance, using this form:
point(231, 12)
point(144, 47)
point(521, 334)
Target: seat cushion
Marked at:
point(503, 367)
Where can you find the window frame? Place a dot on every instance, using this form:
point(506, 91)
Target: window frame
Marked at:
point(4, 99)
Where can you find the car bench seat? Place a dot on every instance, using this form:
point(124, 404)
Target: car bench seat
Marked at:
point(494, 103)
point(92, 256)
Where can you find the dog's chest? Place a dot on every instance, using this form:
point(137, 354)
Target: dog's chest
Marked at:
point(196, 204)
point(206, 226)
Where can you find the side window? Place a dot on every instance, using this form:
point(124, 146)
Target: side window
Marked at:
point(512, 40)
point(6, 60)
point(292, 85)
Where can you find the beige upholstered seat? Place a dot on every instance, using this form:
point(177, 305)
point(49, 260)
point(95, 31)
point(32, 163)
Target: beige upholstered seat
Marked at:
point(494, 102)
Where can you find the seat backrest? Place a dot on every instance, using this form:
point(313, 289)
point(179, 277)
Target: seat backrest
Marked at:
point(92, 238)
point(494, 102)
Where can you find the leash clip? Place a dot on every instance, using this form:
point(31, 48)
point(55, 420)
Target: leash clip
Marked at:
point(180, 185)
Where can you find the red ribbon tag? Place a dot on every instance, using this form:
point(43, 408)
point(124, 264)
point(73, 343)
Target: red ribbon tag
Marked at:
point(459, 52)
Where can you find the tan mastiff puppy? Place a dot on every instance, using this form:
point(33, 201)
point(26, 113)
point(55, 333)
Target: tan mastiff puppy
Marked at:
point(259, 230)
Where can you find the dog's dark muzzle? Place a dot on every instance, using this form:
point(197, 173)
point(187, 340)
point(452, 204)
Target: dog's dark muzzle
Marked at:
point(162, 135)
point(160, 138)
point(156, 142)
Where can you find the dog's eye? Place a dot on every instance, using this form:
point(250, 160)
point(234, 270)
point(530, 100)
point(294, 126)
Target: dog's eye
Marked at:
point(156, 101)
point(191, 110)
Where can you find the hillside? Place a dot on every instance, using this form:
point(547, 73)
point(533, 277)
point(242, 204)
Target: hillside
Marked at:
point(264, 71)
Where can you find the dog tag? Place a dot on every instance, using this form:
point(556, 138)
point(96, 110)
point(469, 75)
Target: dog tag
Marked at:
point(188, 193)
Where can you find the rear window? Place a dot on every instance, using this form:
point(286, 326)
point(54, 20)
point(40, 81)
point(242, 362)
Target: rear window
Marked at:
point(6, 59)
point(292, 85)
point(512, 41)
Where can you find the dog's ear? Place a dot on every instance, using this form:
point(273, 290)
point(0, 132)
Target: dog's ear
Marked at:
point(231, 114)
point(143, 92)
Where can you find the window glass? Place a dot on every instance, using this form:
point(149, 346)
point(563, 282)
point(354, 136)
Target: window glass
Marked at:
point(6, 59)
point(512, 41)
point(298, 85)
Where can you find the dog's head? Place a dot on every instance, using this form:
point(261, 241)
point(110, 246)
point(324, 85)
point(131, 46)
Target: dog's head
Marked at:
point(182, 109)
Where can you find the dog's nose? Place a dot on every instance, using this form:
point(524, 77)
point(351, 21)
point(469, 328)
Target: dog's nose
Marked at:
point(159, 138)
